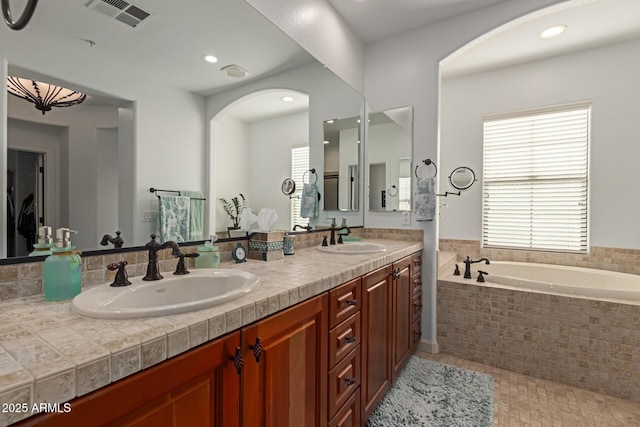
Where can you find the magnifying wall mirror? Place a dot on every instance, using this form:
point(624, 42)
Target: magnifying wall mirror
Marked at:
point(462, 178)
point(390, 139)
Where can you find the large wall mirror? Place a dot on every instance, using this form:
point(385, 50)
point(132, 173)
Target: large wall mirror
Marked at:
point(390, 141)
point(341, 164)
point(146, 120)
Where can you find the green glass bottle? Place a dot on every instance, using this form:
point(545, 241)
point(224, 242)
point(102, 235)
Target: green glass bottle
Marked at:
point(62, 269)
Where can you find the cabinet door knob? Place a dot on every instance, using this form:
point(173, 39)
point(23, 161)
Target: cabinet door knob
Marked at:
point(352, 302)
point(350, 381)
point(350, 339)
point(257, 349)
point(238, 360)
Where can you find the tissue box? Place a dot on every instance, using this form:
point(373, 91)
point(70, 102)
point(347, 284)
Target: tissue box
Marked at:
point(266, 246)
point(268, 236)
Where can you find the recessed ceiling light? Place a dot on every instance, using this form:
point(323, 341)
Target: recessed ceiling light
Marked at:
point(210, 58)
point(330, 121)
point(287, 99)
point(326, 142)
point(554, 31)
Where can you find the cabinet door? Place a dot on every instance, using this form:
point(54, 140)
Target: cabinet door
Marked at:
point(376, 338)
point(287, 384)
point(401, 314)
point(198, 388)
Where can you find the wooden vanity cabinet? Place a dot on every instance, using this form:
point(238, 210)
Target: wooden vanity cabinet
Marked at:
point(416, 303)
point(198, 388)
point(401, 315)
point(284, 383)
point(376, 338)
point(389, 302)
point(345, 335)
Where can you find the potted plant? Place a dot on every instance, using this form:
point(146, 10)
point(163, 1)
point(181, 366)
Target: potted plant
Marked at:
point(234, 208)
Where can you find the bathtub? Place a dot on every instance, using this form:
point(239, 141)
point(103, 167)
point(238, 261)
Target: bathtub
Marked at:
point(560, 279)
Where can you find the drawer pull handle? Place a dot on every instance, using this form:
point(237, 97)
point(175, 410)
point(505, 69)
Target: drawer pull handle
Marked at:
point(352, 302)
point(238, 360)
point(257, 349)
point(350, 381)
point(417, 282)
point(350, 339)
point(396, 273)
point(417, 262)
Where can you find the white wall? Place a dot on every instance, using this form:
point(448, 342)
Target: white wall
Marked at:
point(168, 131)
point(329, 97)
point(231, 158)
point(107, 182)
point(607, 77)
point(404, 70)
point(348, 156)
point(318, 28)
point(77, 164)
point(388, 143)
point(270, 162)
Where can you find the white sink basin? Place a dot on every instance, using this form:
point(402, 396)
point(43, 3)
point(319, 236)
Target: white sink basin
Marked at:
point(200, 289)
point(354, 248)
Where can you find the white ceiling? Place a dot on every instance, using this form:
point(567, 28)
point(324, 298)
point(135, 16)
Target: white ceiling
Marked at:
point(171, 44)
point(373, 20)
point(589, 24)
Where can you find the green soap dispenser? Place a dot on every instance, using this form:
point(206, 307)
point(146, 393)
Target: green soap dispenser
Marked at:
point(62, 269)
point(45, 242)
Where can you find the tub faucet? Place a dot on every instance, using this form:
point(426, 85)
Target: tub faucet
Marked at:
point(153, 269)
point(467, 266)
point(308, 227)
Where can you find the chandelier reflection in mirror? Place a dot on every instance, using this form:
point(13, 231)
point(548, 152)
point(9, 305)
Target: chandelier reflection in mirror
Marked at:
point(43, 95)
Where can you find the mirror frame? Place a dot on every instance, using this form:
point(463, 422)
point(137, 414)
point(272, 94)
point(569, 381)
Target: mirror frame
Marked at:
point(462, 168)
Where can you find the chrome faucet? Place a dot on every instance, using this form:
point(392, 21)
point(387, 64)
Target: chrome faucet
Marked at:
point(153, 269)
point(467, 266)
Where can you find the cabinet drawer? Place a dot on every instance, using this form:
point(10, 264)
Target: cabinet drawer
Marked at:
point(416, 333)
point(416, 283)
point(344, 379)
point(344, 301)
point(416, 262)
point(343, 339)
point(416, 307)
point(349, 414)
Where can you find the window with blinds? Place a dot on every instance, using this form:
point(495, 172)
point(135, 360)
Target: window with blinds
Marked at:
point(535, 181)
point(299, 165)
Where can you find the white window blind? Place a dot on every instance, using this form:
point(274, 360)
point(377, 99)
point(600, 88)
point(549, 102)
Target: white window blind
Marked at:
point(535, 180)
point(299, 165)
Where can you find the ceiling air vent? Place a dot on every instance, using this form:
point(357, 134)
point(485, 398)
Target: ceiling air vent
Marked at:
point(122, 11)
point(234, 70)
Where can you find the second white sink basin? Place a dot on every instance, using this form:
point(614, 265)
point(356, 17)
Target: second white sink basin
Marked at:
point(200, 289)
point(354, 248)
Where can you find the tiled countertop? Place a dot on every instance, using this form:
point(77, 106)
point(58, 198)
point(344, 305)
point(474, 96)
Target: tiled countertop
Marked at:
point(50, 355)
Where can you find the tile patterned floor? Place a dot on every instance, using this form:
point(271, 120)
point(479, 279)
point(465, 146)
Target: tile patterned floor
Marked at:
point(521, 400)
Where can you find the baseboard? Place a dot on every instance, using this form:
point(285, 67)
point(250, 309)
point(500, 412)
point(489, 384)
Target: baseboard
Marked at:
point(428, 347)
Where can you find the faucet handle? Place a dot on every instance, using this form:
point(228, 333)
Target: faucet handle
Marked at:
point(456, 272)
point(122, 278)
point(480, 276)
point(181, 268)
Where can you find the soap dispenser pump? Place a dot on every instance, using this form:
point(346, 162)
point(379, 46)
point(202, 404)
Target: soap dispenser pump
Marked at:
point(62, 269)
point(45, 242)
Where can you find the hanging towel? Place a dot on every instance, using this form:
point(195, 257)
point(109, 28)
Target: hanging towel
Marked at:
point(425, 204)
point(174, 218)
point(196, 215)
point(309, 206)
